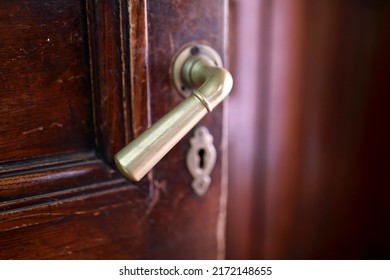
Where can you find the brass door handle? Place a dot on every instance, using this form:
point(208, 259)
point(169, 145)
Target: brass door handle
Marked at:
point(197, 73)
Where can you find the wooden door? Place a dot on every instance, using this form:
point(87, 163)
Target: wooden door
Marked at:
point(79, 80)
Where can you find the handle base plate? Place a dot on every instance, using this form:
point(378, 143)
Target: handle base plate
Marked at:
point(177, 65)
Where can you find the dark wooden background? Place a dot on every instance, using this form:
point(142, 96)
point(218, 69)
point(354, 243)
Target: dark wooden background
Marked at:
point(309, 130)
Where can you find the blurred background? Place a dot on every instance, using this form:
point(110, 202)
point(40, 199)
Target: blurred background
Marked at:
point(309, 171)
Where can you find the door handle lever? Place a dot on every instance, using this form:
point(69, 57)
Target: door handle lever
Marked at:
point(197, 73)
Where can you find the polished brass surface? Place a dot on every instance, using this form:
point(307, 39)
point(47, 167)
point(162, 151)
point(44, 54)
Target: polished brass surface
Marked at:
point(180, 75)
point(195, 67)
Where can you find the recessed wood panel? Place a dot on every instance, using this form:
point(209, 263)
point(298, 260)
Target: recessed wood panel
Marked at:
point(45, 104)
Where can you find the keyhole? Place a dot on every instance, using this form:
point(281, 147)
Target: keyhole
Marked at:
point(201, 157)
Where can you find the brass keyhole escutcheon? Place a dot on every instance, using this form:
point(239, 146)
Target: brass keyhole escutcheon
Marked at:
point(201, 159)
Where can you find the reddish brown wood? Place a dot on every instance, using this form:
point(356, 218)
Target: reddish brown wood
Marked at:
point(247, 111)
point(33, 182)
point(140, 96)
point(319, 188)
point(109, 48)
point(71, 203)
point(327, 179)
point(44, 88)
point(106, 224)
point(179, 212)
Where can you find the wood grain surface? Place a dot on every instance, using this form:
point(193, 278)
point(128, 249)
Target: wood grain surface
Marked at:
point(79, 80)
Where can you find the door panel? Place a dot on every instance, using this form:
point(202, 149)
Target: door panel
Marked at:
point(86, 79)
point(45, 93)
